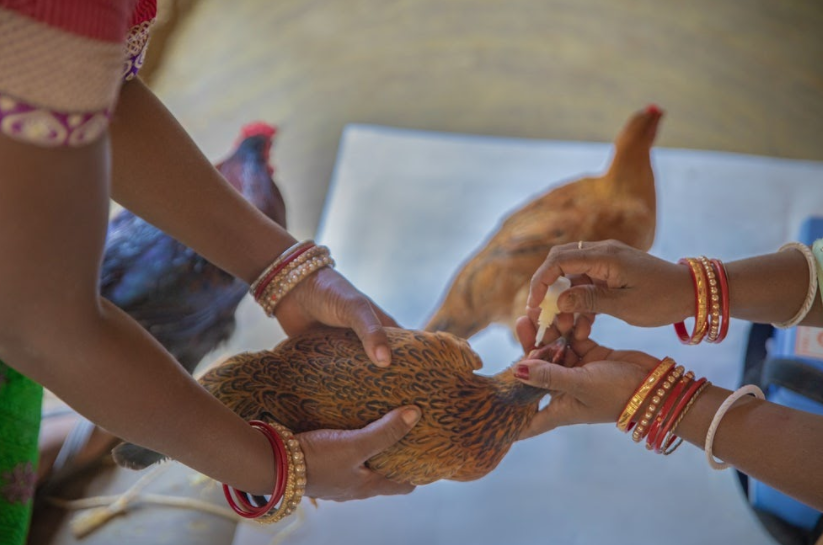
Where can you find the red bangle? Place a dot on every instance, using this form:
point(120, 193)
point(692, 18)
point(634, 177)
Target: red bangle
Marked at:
point(283, 467)
point(248, 510)
point(723, 280)
point(261, 287)
point(654, 429)
point(658, 447)
point(700, 327)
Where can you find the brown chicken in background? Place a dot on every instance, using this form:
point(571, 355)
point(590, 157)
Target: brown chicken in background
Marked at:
point(492, 286)
point(323, 379)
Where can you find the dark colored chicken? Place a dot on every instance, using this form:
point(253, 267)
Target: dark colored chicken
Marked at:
point(183, 300)
point(323, 379)
point(492, 286)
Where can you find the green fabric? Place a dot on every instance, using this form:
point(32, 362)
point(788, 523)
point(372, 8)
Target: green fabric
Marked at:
point(20, 408)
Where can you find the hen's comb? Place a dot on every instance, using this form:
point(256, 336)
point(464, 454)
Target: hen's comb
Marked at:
point(257, 128)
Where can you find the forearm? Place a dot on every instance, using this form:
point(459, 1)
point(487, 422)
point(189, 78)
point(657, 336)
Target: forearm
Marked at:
point(771, 288)
point(774, 444)
point(115, 374)
point(159, 174)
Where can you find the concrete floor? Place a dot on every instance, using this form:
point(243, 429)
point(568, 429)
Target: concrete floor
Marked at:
point(737, 75)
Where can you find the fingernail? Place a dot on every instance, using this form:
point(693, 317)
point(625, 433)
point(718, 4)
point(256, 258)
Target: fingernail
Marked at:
point(567, 303)
point(653, 109)
point(410, 416)
point(383, 355)
point(522, 371)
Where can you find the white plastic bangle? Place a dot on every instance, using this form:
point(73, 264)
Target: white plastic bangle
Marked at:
point(817, 251)
point(810, 294)
point(748, 389)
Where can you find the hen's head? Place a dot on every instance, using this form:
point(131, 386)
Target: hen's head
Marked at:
point(249, 170)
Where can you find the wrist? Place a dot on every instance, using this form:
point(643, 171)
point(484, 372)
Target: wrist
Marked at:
point(683, 293)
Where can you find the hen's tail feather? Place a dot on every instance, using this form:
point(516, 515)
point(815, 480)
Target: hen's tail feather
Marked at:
point(131, 456)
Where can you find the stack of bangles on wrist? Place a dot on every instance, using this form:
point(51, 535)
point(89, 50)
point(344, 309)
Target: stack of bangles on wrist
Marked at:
point(711, 294)
point(289, 478)
point(711, 301)
point(659, 404)
point(665, 396)
point(289, 269)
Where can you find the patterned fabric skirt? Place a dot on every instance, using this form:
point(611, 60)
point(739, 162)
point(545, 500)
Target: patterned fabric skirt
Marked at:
point(62, 63)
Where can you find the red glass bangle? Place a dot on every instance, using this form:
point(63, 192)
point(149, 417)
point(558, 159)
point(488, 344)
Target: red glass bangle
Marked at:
point(281, 459)
point(658, 446)
point(654, 428)
point(261, 287)
point(723, 280)
point(233, 497)
point(700, 306)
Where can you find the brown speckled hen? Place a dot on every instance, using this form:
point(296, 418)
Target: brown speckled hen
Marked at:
point(324, 380)
point(492, 286)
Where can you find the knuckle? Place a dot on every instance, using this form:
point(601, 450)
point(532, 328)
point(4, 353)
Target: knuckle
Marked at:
point(543, 375)
point(589, 300)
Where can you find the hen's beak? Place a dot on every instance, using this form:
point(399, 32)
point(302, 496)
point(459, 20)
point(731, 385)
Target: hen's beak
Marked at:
point(554, 352)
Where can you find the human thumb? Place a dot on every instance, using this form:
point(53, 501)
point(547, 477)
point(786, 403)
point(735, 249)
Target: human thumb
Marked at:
point(383, 433)
point(547, 375)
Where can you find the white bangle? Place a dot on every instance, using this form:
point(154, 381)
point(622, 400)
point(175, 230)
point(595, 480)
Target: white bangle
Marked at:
point(749, 389)
point(812, 291)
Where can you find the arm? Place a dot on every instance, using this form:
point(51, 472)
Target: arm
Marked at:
point(647, 291)
point(159, 174)
point(776, 445)
point(56, 329)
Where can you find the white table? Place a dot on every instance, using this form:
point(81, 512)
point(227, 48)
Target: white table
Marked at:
point(407, 207)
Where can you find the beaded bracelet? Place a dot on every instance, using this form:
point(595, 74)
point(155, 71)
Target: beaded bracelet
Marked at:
point(656, 402)
point(290, 478)
point(283, 261)
point(269, 272)
point(665, 412)
point(288, 270)
point(748, 389)
point(701, 304)
point(295, 272)
point(810, 293)
point(668, 407)
point(642, 392)
point(713, 300)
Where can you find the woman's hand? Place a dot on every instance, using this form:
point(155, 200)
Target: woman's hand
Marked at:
point(327, 298)
point(335, 459)
point(612, 278)
point(592, 385)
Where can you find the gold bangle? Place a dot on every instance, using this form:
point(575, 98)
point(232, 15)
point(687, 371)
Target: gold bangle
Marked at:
point(295, 481)
point(701, 321)
point(713, 300)
point(639, 396)
point(656, 403)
